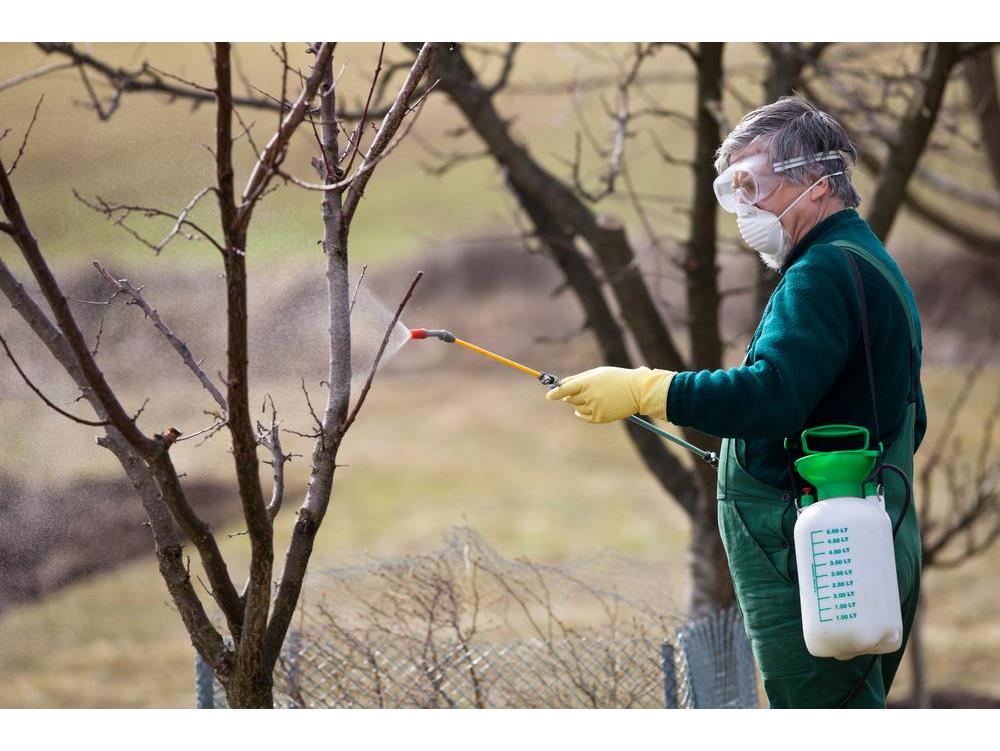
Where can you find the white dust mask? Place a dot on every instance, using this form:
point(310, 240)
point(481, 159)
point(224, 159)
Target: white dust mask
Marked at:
point(762, 230)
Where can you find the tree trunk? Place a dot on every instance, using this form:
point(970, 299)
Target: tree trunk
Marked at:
point(784, 74)
point(920, 696)
point(250, 692)
point(914, 132)
point(711, 584)
point(982, 81)
point(560, 217)
point(711, 587)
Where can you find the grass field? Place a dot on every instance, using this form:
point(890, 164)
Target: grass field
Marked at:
point(114, 641)
point(484, 450)
point(442, 441)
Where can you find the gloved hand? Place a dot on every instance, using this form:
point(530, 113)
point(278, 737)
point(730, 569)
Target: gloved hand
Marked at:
point(607, 394)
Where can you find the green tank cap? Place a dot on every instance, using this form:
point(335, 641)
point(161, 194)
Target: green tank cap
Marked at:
point(836, 473)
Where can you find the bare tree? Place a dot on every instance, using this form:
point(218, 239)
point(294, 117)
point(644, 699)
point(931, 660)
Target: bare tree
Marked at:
point(561, 213)
point(900, 115)
point(603, 265)
point(255, 622)
point(896, 148)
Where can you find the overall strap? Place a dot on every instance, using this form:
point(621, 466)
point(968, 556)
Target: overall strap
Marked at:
point(879, 266)
point(866, 338)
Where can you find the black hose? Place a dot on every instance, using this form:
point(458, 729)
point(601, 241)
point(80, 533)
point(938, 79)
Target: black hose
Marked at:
point(895, 529)
point(909, 496)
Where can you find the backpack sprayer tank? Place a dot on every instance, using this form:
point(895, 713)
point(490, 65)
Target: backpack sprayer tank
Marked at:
point(845, 552)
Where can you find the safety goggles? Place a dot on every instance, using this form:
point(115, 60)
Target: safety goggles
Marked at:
point(753, 179)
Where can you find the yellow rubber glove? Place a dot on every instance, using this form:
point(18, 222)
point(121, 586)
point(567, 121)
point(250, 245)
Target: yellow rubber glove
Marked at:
point(607, 394)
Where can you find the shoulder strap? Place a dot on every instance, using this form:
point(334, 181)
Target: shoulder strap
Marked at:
point(894, 284)
point(866, 338)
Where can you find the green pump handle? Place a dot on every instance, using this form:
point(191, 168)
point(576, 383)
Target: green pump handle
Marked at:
point(833, 431)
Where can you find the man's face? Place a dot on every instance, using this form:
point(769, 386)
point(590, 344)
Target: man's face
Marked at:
point(782, 197)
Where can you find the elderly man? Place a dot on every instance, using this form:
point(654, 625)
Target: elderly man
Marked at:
point(839, 342)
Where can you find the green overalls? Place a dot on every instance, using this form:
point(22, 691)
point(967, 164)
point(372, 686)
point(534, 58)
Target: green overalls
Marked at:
point(756, 522)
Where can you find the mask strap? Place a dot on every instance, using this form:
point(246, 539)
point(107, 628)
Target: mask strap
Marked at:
point(833, 174)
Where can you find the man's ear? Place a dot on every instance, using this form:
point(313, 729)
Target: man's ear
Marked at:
point(819, 190)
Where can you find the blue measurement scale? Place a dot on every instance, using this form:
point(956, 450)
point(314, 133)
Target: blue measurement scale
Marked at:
point(833, 574)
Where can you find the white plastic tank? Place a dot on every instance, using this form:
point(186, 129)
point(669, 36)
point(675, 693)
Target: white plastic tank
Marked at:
point(847, 578)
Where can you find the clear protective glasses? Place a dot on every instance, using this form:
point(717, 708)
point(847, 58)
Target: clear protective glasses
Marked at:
point(754, 178)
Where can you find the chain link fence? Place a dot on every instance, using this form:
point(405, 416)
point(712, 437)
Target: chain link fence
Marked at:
point(465, 628)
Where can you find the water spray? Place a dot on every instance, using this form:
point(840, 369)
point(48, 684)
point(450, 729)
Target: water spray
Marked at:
point(551, 381)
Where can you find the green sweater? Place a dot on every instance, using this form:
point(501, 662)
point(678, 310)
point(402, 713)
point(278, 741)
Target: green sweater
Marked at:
point(806, 362)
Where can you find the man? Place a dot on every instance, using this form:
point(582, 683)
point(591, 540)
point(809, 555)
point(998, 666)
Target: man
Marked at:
point(785, 173)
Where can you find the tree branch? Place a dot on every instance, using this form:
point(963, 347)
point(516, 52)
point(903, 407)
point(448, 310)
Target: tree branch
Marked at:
point(387, 130)
point(274, 151)
point(147, 80)
point(914, 131)
point(978, 242)
point(270, 439)
point(608, 333)
point(378, 356)
point(123, 285)
point(244, 441)
point(38, 72)
point(508, 67)
point(981, 79)
point(27, 134)
point(330, 431)
point(42, 396)
point(57, 301)
point(118, 213)
point(205, 638)
point(321, 472)
point(360, 128)
point(604, 234)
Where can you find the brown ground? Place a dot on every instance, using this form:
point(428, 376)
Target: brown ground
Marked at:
point(53, 535)
point(49, 539)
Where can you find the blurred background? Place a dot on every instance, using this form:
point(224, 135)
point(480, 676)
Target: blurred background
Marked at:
point(447, 439)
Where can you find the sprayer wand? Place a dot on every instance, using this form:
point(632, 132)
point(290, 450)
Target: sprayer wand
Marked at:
point(547, 379)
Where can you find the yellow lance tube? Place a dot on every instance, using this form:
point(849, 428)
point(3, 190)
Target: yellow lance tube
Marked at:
point(551, 381)
point(498, 358)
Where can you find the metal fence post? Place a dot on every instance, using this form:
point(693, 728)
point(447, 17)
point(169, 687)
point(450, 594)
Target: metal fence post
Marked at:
point(669, 675)
point(293, 645)
point(204, 683)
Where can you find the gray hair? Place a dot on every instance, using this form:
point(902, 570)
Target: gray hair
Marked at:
point(792, 127)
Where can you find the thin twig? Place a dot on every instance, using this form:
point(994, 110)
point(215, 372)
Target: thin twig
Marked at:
point(27, 133)
point(125, 286)
point(103, 114)
point(112, 210)
point(43, 397)
point(357, 289)
point(97, 342)
point(364, 115)
point(367, 165)
point(319, 423)
point(378, 357)
point(384, 140)
point(270, 439)
point(182, 217)
point(192, 84)
point(211, 428)
point(36, 73)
